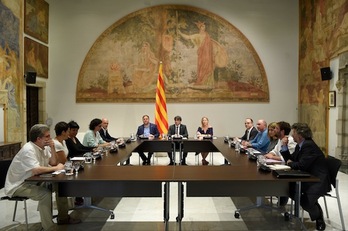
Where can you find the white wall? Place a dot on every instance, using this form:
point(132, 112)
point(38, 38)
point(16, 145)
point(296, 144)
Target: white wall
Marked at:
point(270, 25)
point(333, 112)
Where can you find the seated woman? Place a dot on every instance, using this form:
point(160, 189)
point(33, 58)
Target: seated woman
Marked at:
point(73, 143)
point(205, 130)
point(273, 130)
point(62, 133)
point(92, 137)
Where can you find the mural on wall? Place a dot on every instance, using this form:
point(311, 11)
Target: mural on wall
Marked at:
point(323, 35)
point(10, 65)
point(35, 57)
point(204, 57)
point(36, 19)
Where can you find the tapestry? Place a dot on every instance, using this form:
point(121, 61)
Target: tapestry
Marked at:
point(11, 78)
point(323, 35)
point(204, 57)
point(36, 19)
point(35, 57)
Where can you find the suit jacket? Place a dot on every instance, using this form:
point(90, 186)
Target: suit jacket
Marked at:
point(106, 136)
point(311, 159)
point(153, 130)
point(182, 130)
point(252, 135)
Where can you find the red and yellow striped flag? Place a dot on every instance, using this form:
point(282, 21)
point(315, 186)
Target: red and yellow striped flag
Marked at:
point(161, 118)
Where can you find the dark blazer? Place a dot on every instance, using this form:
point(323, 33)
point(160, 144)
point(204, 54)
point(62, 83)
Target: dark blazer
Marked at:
point(106, 136)
point(252, 135)
point(182, 130)
point(77, 149)
point(153, 130)
point(311, 159)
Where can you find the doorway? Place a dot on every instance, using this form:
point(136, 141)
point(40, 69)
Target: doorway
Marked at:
point(32, 107)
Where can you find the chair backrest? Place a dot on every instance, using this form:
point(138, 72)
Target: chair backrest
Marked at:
point(4, 165)
point(334, 165)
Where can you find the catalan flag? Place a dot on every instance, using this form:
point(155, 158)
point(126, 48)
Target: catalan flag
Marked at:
point(161, 118)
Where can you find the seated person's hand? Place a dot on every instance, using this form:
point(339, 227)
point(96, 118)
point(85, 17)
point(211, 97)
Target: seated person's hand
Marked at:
point(269, 156)
point(151, 137)
point(59, 166)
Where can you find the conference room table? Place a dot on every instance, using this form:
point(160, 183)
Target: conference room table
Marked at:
point(107, 177)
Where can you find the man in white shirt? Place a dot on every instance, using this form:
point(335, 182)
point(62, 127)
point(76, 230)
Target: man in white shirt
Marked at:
point(285, 143)
point(36, 157)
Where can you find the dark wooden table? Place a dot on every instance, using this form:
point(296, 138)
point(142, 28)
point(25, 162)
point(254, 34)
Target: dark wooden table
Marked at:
point(106, 178)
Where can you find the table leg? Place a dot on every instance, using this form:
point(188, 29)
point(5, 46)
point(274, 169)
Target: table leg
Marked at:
point(180, 203)
point(166, 204)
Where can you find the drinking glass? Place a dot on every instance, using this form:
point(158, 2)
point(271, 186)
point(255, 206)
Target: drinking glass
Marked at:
point(261, 160)
point(88, 157)
point(94, 157)
point(68, 167)
point(237, 146)
point(77, 167)
point(132, 137)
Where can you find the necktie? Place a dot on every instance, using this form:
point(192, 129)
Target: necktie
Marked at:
point(177, 130)
point(248, 135)
point(297, 148)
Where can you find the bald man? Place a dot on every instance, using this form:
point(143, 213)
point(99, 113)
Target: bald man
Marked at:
point(104, 131)
point(261, 141)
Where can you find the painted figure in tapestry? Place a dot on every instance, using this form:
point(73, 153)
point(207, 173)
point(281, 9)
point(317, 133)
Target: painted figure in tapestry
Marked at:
point(10, 65)
point(204, 58)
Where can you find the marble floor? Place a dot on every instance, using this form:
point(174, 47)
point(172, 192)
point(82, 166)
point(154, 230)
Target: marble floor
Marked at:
point(201, 214)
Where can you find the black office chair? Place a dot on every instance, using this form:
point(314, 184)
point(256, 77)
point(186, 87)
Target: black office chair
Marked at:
point(334, 165)
point(4, 165)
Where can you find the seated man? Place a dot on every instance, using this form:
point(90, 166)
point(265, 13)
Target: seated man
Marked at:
point(249, 134)
point(177, 130)
point(285, 143)
point(104, 131)
point(261, 141)
point(250, 131)
point(36, 157)
point(308, 157)
point(150, 131)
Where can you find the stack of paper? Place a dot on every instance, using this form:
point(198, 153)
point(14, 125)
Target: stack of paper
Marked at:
point(279, 167)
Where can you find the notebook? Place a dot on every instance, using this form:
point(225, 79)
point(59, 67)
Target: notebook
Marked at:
point(290, 173)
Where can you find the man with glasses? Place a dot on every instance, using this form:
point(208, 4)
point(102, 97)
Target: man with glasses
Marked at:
point(36, 157)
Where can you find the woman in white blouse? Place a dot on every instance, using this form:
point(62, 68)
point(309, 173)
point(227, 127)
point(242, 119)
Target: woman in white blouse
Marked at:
point(62, 133)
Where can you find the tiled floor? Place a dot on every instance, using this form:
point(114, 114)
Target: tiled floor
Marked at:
point(201, 214)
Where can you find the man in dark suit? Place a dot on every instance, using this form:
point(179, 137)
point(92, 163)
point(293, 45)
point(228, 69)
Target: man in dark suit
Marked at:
point(180, 131)
point(104, 131)
point(150, 131)
point(250, 131)
point(308, 157)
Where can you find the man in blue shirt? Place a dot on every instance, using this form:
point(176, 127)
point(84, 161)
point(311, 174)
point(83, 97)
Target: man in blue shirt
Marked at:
point(261, 141)
point(150, 131)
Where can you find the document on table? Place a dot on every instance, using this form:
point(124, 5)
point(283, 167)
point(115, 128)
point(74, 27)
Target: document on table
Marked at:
point(279, 167)
point(272, 161)
point(77, 158)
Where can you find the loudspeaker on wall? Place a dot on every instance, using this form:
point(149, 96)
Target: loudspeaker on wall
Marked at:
point(30, 77)
point(325, 73)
